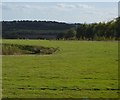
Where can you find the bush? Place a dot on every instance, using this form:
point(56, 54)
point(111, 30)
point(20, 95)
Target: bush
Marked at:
point(14, 49)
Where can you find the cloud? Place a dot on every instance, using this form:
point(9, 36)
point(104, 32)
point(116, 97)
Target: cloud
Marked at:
point(66, 6)
point(5, 7)
point(84, 6)
point(22, 7)
point(34, 6)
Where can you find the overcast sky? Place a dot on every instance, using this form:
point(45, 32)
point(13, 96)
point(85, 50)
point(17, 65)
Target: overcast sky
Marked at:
point(60, 0)
point(70, 12)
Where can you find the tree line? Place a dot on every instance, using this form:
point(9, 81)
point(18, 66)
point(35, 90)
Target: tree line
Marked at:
point(34, 25)
point(26, 29)
point(95, 31)
point(57, 30)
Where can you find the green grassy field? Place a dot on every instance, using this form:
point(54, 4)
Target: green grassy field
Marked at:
point(81, 69)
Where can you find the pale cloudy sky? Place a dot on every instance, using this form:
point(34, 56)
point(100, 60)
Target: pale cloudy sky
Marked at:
point(70, 12)
point(60, 0)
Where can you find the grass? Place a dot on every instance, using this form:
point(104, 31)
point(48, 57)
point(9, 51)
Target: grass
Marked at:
point(81, 69)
